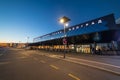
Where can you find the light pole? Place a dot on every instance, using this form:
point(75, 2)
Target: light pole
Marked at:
point(64, 21)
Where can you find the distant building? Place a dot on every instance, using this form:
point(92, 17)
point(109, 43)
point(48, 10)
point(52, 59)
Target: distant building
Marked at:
point(101, 33)
point(4, 44)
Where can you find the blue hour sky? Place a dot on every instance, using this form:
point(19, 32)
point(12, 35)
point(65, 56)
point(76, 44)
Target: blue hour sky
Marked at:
point(20, 19)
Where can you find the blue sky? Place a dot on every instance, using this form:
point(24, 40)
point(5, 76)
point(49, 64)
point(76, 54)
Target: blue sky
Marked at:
point(20, 19)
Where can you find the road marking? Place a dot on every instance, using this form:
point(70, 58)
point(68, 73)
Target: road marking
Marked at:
point(72, 76)
point(42, 61)
point(26, 54)
point(22, 57)
point(2, 63)
point(55, 67)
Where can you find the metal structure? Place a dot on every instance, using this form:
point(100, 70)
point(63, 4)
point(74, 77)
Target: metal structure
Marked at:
point(64, 21)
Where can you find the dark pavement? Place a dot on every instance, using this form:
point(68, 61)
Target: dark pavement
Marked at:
point(19, 64)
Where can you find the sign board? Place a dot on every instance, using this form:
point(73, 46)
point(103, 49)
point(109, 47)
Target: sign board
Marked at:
point(64, 41)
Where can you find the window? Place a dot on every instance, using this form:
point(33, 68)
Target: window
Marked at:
point(86, 24)
point(93, 23)
point(60, 31)
point(73, 28)
point(81, 25)
point(99, 21)
point(69, 29)
point(77, 27)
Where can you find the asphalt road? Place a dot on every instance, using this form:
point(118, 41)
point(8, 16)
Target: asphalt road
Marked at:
point(18, 64)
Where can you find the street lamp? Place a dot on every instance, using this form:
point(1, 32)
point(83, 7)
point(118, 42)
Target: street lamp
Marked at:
point(64, 21)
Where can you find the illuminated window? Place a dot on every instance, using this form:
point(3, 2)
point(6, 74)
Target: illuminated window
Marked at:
point(86, 24)
point(93, 23)
point(99, 21)
point(81, 25)
point(69, 29)
point(77, 27)
point(73, 28)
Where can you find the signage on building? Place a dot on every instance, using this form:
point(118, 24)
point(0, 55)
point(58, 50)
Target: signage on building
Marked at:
point(64, 41)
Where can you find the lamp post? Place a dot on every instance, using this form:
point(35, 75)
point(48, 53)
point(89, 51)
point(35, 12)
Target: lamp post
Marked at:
point(64, 21)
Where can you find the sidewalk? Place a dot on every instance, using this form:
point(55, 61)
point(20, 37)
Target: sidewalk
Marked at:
point(106, 63)
point(95, 64)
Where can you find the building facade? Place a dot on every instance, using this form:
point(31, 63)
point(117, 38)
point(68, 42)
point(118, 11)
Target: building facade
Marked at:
point(98, 34)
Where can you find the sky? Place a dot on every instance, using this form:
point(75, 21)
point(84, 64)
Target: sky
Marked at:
point(20, 19)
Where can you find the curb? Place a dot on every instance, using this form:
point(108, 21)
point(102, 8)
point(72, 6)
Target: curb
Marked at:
point(100, 68)
point(84, 64)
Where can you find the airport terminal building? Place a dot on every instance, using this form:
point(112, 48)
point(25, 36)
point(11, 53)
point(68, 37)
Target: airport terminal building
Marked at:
point(98, 34)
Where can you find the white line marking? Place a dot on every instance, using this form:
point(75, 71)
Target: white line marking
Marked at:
point(74, 77)
point(2, 63)
point(42, 61)
point(96, 62)
point(54, 67)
